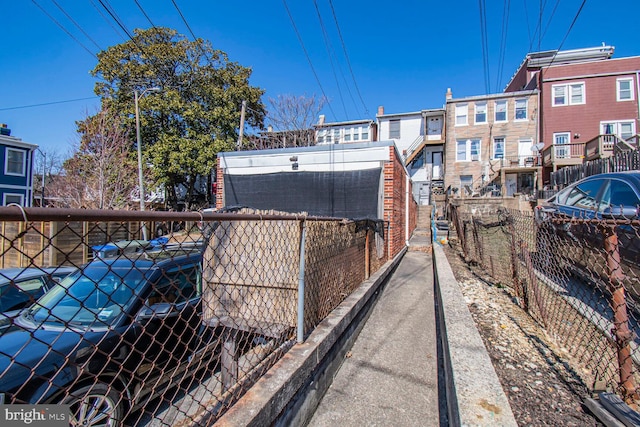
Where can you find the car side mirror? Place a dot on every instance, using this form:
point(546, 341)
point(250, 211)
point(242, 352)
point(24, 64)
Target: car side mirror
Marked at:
point(620, 212)
point(160, 310)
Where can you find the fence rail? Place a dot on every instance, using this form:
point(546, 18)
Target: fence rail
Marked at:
point(579, 278)
point(170, 331)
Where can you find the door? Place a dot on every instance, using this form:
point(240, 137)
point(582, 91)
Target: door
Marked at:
point(525, 154)
point(436, 171)
point(511, 182)
point(434, 127)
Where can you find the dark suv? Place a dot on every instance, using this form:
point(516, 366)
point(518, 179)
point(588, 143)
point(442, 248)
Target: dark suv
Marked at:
point(108, 338)
point(566, 233)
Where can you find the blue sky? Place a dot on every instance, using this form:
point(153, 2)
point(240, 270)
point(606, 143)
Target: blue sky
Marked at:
point(404, 55)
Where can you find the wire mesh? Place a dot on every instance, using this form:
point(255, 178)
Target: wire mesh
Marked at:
point(170, 331)
point(578, 277)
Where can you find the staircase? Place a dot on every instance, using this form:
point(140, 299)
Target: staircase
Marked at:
point(421, 238)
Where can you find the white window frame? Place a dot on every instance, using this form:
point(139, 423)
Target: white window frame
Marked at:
point(562, 151)
point(347, 134)
point(526, 110)
point(468, 155)
point(364, 133)
point(630, 90)
point(336, 136)
point(479, 110)
point(569, 91)
point(617, 127)
point(506, 111)
point(6, 162)
point(4, 198)
point(504, 147)
point(462, 114)
point(394, 133)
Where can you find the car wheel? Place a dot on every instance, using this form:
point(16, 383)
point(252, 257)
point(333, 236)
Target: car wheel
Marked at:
point(96, 404)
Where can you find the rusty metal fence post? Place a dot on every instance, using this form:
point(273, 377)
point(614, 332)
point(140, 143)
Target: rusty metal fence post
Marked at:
point(621, 331)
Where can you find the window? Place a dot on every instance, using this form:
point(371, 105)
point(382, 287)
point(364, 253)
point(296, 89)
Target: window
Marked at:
point(501, 111)
point(569, 94)
point(365, 133)
point(8, 198)
point(356, 134)
point(466, 183)
point(625, 89)
point(328, 136)
point(521, 109)
point(481, 112)
point(176, 286)
point(461, 114)
point(584, 195)
point(623, 129)
point(394, 129)
point(15, 163)
point(560, 141)
point(467, 150)
point(336, 135)
point(618, 193)
point(320, 136)
point(498, 148)
point(347, 135)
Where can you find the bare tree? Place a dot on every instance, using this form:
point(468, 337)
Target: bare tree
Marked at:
point(291, 119)
point(102, 173)
point(46, 165)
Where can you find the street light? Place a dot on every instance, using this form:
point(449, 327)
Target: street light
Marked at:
point(139, 142)
point(44, 170)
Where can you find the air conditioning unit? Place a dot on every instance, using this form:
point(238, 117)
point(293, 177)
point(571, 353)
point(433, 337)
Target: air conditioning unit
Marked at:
point(474, 157)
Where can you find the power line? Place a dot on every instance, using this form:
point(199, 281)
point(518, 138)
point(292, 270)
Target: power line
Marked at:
point(485, 45)
point(307, 56)
point(575, 18)
point(144, 13)
point(327, 44)
point(184, 20)
point(46, 103)
point(76, 24)
point(346, 55)
point(115, 30)
point(503, 41)
point(64, 29)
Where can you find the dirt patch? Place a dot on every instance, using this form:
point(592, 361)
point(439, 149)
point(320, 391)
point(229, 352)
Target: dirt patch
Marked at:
point(536, 374)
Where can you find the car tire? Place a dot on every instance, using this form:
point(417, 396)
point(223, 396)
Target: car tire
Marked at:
point(95, 404)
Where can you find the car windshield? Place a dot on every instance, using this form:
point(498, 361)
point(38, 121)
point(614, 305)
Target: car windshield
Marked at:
point(93, 296)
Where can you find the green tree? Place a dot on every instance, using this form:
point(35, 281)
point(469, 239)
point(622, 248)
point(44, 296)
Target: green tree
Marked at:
point(196, 113)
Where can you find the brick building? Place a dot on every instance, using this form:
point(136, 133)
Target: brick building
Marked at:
point(589, 105)
point(359, 180)
point(490, 144)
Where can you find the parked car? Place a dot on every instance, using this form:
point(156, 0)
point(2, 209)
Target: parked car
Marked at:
point(580, 244)
point(21, 287)
point(109, 337)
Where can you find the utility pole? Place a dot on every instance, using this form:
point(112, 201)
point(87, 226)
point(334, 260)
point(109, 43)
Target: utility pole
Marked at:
point(244, 107)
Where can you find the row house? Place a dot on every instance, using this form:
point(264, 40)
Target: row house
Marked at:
point(419, 137)
point(491, 144)
point(589, 106)
point(16, 177)
point(345, 132)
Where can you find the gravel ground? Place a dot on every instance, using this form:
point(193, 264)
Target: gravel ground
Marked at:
point(535, 373)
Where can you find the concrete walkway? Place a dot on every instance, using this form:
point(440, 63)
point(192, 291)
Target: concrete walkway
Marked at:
point(390, 376)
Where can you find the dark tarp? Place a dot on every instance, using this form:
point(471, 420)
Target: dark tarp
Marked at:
point(344, 194)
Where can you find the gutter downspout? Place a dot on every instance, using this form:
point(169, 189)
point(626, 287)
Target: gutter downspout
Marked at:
point(406, 210)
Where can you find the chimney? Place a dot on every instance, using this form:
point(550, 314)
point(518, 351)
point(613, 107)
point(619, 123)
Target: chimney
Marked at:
point(381, 110)
point(449, 94)
point(269, 128)
point(321, 120)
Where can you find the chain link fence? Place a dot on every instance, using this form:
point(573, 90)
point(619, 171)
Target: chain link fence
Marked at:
point(578, 277)
point(170, 331)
